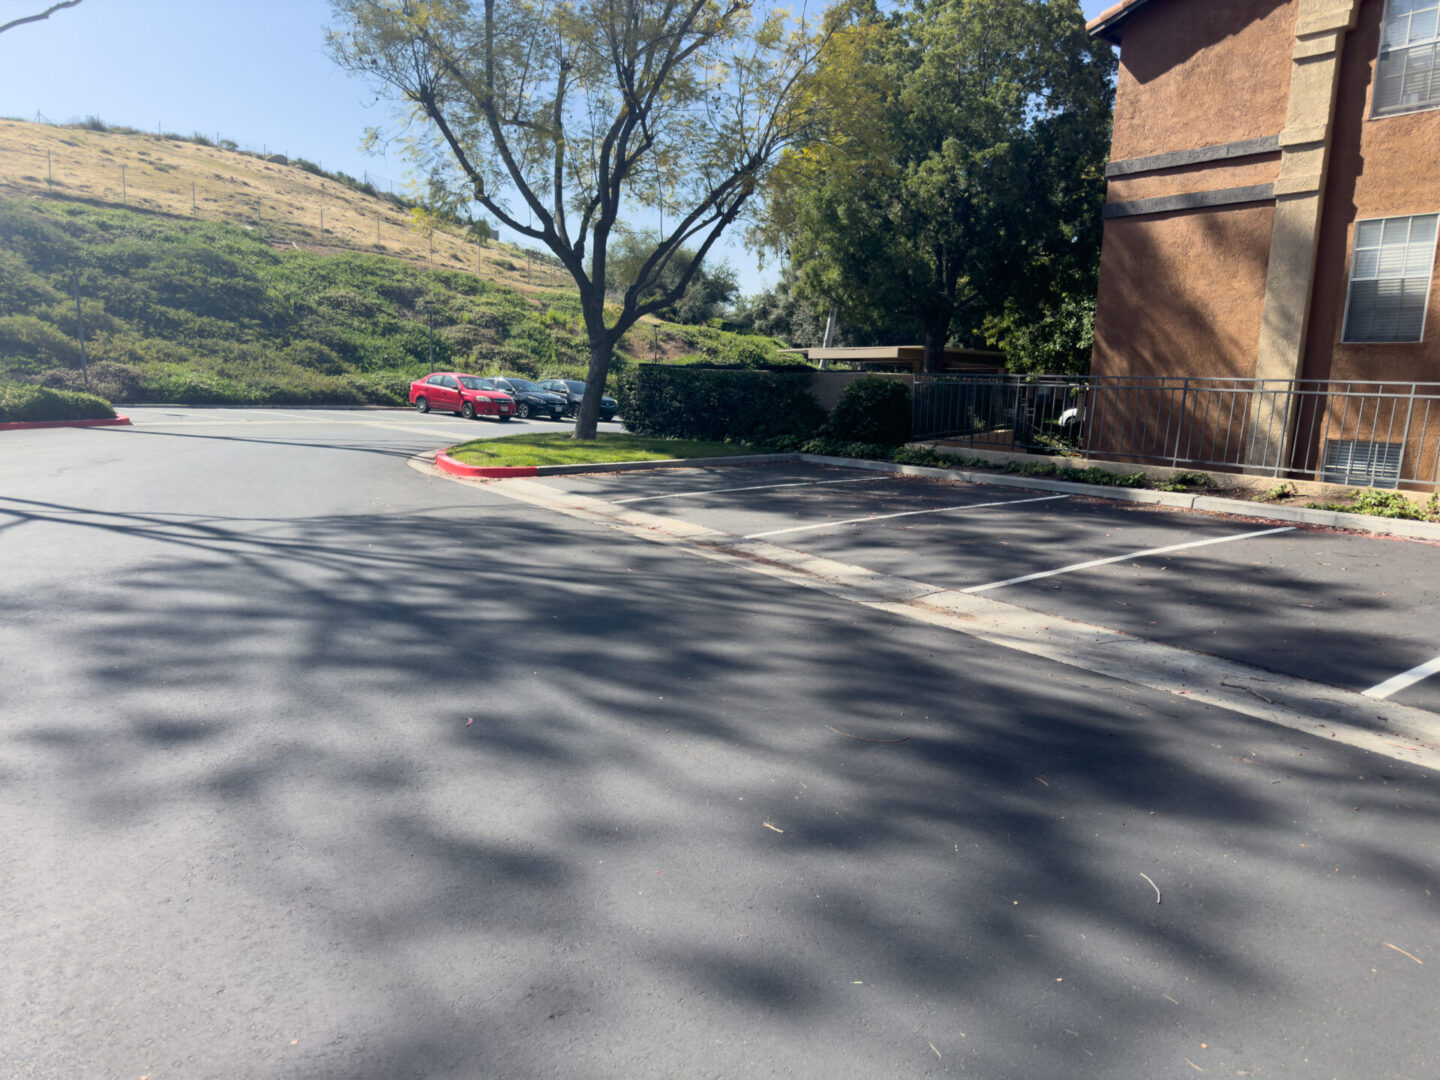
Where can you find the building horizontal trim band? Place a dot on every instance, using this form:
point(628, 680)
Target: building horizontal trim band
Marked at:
point(1220, 152)
point(1191, 201)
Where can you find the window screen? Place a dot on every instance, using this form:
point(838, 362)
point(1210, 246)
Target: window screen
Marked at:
point(1408, 75)
point(1390, 278)
point(1367, 464)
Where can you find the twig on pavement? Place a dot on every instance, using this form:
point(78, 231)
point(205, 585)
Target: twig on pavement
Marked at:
point(1153, 886)
point(862, 738)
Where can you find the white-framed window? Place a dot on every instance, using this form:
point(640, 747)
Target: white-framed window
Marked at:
point(1390, 278)
point(1407, 76)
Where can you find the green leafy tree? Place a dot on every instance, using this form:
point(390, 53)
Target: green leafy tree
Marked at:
point(709, 293)
point(782, 312)
point(777, 312)
point(1053, 335)
point(556, 116)
point(481, 231)
point(963, 186)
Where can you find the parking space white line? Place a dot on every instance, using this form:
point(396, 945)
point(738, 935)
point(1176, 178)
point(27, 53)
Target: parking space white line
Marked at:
point(1396, 683)
point(1403, 733)
point(1132, 555)
point(752, 487)
point(906, 513)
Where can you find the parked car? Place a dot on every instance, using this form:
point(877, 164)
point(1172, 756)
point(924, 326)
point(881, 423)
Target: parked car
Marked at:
point(573, 391)
point(468, 395)
point(530, 400)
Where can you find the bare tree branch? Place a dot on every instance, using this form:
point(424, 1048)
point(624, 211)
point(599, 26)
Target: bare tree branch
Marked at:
point(36, 18)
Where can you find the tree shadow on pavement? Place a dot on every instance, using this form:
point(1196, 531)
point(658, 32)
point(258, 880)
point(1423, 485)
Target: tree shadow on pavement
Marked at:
point(463, 793)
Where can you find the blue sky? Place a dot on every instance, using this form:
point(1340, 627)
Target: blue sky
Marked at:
point(255, 72)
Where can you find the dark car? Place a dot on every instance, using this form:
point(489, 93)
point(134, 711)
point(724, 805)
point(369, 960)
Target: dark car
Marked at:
point(573, 391)
point(530, 400)
point(467, 395)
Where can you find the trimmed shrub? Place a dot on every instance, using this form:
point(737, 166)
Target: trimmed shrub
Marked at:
point(24, 403)
point(872, 410)
point(697, 403)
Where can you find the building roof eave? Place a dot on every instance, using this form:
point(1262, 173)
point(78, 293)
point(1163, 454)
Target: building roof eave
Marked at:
point(1107, 24)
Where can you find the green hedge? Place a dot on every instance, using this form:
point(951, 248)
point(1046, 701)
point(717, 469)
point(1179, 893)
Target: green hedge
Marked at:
point(872, 410)
point(698, 403)
point(22, 403)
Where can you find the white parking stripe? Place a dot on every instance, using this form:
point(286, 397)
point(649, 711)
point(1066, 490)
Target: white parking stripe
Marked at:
point(907, 513)
point(1396, 683)
point(1132, 555)
point(753, 487)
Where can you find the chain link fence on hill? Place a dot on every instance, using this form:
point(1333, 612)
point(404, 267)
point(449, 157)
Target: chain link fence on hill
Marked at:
point(284, 200)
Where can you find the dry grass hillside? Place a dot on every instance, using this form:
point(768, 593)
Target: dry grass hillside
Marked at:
point(283, 203)
point(205, 277)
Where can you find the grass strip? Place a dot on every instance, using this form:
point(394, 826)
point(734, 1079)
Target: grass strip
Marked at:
point(557, 448)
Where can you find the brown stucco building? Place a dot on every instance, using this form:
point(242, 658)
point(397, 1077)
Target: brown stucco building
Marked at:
point(1274, 194)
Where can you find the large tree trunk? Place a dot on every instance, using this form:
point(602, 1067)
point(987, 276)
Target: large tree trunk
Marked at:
point(935, 337)
point(602, 347)
point(588, 418)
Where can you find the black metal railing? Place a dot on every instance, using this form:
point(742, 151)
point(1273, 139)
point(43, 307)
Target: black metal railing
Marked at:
point(1368, 434)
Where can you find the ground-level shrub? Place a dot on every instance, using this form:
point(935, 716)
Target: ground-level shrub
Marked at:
point(1389, 504)
point(23, 402)
point(872, 410)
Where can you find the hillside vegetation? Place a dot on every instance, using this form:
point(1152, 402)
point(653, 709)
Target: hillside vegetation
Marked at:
point(282, 203)
point(179, 308)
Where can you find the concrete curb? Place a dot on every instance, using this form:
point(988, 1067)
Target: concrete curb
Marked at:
point(445, 463)
point(21, 425)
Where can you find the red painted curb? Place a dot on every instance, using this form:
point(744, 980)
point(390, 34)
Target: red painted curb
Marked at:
point(22, 425)
point(445, 463)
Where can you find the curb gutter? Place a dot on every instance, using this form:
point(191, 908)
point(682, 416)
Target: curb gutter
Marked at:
point(25, 425)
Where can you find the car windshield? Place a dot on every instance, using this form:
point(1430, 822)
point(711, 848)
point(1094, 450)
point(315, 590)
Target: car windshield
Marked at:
point(576, 385)
point(524, 384)
point(470, 382)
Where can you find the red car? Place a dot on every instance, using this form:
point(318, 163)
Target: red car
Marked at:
point(468, 395)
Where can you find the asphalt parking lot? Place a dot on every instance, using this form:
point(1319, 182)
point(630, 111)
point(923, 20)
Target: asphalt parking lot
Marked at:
point(317, 763)
point(1346, 610)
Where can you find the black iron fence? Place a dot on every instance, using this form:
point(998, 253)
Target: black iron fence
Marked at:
point(1368, 434)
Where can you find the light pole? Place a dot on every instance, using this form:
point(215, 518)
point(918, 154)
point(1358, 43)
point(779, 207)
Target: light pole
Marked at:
point(80, 321)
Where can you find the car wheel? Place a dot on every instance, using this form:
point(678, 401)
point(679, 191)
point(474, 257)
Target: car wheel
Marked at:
point(523, 411)
point(572, 411)
point(421, 405)
point(467, 410)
